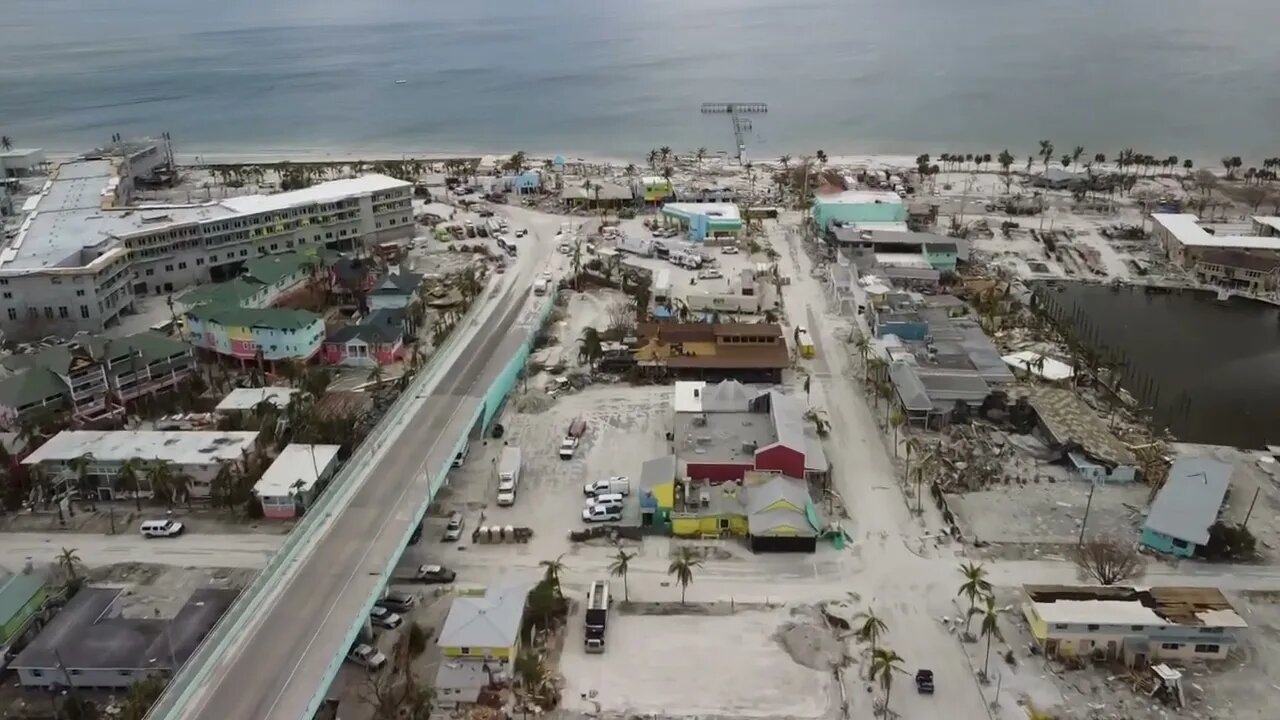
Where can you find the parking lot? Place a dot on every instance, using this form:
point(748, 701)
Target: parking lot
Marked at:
point(660, 664)
point(625, 426)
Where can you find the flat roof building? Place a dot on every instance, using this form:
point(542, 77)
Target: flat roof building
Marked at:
point(294, 480)
point(83, 253)
point(246, 399)
point(1138, 626)
point(90, 644)
point(1183, 238)
point(199, 454)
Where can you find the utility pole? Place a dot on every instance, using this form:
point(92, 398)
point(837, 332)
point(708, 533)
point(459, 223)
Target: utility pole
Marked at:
point(1252, 502)
point(1093, 485)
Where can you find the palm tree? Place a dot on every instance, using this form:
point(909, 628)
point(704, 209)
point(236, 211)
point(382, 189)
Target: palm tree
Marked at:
point(80, 466)
point(785, 161)
point(821, 155)
point(871, 630)
point(653, 158)
point(863, 346)
point(681, 567)
point(975, 586)
point(618, 568)
point(884, 664)
point(1188, 164)
point(1076, 153)
point(551, 570)
point(1046, 152)
point(6, 142)
point(913, 445)
point(590, 346)
point(665, 153)
point(69, 561)
point(162, 480)
point(989, 628)
point(128, 479)
point(375, 373)
point(1005, 160)
point(702, 153)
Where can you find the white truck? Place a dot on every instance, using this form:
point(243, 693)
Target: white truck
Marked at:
point(540, 286)
point(618, 484)
point(569, 445)
point(635, 244)
point(508, 475)
point(686, 260)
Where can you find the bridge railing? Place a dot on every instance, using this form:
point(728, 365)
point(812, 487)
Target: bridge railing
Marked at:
point(195, 670)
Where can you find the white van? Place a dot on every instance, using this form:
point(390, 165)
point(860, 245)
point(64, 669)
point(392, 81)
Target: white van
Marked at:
point(609, 500)
point(161, 528)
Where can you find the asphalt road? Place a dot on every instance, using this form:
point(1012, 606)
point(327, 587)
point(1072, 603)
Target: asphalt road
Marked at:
point(274, 667)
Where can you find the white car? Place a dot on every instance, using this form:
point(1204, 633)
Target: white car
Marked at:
point(619, 484)
point(601, 513)
point(730, 250)
point(384, 618)
point(367, 657)
point(506, 493)
point(521, 233)
point(161, 528)
point(710, 274)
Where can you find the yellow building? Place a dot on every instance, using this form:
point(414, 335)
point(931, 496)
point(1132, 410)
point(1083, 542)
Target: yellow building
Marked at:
point(709, 510)
point(1138, 626)
point(484, 624)
point(656, 189)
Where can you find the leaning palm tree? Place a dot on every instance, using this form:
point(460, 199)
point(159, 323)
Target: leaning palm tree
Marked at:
point(551, 570)
point(618, 568)
point(871, 630)
point(884, 664)
point(6, 142)
point(990, 626)
point(912, 446)
point(681, 567)
point(974, 587)
point(70, 563)
point(700, 155)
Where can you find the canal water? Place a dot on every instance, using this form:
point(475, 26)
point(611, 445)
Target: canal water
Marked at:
point(1210, 369)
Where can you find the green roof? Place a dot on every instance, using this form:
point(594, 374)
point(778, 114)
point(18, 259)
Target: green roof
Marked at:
point(278, 318)
point(271, 268)
point(232, 292)
point(30, 387)
point(16, 591)
point(258, 273)
point(151, 346)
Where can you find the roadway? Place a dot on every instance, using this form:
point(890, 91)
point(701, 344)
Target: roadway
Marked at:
point(278, 661)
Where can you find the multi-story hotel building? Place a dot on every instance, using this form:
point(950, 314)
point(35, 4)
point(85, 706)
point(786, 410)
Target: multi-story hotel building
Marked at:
point(83, 254)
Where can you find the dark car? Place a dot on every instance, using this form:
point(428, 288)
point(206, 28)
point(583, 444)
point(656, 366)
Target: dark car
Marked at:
point(400, 602)
point(434, 575)
point(416, 536)
point(924, 682)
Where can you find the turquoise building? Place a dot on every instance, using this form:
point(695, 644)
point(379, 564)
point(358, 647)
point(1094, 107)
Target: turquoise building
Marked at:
point(855, 206)
point(1187, 506)
point(705, 220)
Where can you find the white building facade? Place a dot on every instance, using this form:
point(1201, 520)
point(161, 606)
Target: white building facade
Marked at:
point(83, 254)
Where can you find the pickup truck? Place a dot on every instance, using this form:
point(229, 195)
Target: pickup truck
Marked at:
point(367, 657)
point(568, 446)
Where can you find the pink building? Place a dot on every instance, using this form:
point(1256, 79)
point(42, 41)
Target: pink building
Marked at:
point(294, 480)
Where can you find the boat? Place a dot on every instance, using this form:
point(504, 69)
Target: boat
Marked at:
point(401, 82)
point(1224, 295)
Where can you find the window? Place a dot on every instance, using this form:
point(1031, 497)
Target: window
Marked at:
point(48, 312)
point(151, 271)
point(1094, 627)
point(168, 268)
point(62, 312)
point(1136, 628)
point(182, 266)
point(13, 314)
point(1210, 631)
point(1170, 646)
point(37, 673)
point(466, 651)
point(244, 253)
point(84, 311)
point(80, 293)
point(1207, 648)
point(1180, 543)
point(8, 295)
point(199, 261)
point(33, 313)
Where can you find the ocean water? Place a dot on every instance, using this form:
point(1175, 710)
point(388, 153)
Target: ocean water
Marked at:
point(1194, 78)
